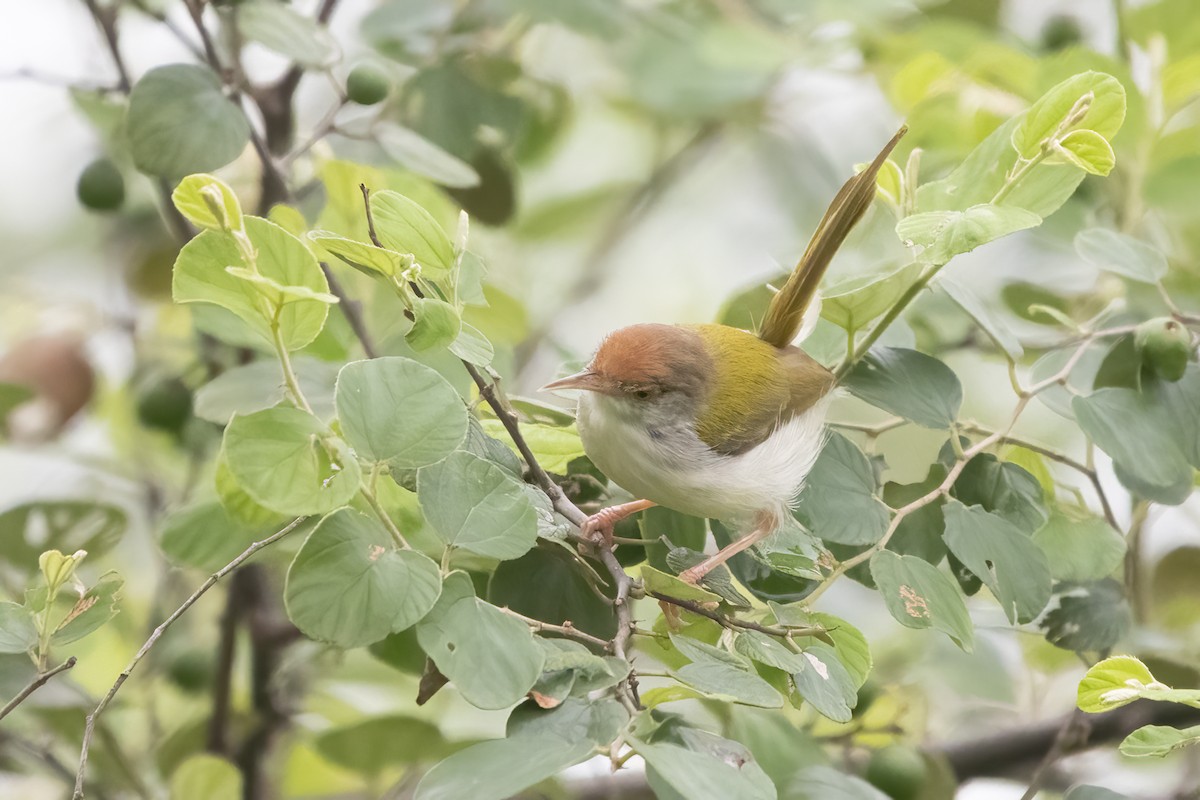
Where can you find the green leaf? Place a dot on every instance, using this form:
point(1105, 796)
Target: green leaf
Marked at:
point(554, 446)
point(1089, 617)
point(204, 536)
point(365, 258)
point(946, 234)
point(1002, 556)
point(991, 323)
point(437, 324)
point(825, 684)
point(1121, 254)
point(1087, 150)
point(349, 585)
point(547, 584)
point(1084, 549)
point(471, 345)
point(94, 608)
point(826, 783)
point(180, 122)
point(399, 411)
point(720, 675)
point(696, 775)
point(599, 720)
point(286, 461)
point(1104, 116)
point(478, 506)
point(1002, 488)
point(492, 658)
point(281, 28)
point(852, 303)
point(208, 203)
point(29, 529)
point(417, 154)
point(909, 384)
point(848, 641)
point(919, 595)
point(259, 385)
point(1085, 792)
point(200, 277)
point(838, 503)
point(372, 745)
point(1158, 741)
point(277, 293)
point(501, 768)
point(406, 227)
point(657, 581)
point(203, 777)
point(17, 633)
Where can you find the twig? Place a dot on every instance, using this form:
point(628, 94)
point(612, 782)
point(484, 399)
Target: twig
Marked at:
point(106, 19)
point(352, 310)
point(734, 622)
point(1074, 728)
point(90, 727)
point(567, 629)
point(38, 682)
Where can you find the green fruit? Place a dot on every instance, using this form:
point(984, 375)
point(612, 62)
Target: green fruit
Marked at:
point(898, 771)
point(1165, 345)
point(165, 404)
point(100, 186)
point(367, 85)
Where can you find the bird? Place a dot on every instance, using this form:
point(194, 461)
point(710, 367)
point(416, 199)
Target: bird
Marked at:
point(711, 420)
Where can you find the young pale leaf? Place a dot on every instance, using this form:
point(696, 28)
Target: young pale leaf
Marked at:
point(97, 606)
point(502, 768)
point(1002, 556)
point(671, 586)
point(417, 154)
point(437, 324)
point(277, 293)
point(909, 384)
point(1158, 741)
point(852, 303)
point(471, 345)
point(281, 28)
point(694, 774)
point(200, 277)
point(1087, 150)
point(839, 503)
point(286, 461)
point(919, 595)
point(405, 227)
point(17, 633)
point(203, 777)
point(1085, 549)
point(554, 446)
point(1105, 111)
point(180, 122)
point(400, 411)
point(259, 385)
point(478, 506)
point(350, 586)
point(1112, 683)
point(1122, 254)
point(366, 258)
point(946, 234)
point(208, 203)
point(492, 658)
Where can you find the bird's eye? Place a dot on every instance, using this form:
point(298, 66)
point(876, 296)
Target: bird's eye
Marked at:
point(641, 394)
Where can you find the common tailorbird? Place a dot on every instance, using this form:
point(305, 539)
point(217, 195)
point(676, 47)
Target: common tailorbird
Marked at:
point(711, 420)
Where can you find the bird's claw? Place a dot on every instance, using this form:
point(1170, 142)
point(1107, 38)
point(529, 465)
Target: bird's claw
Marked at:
point(598, 528)
point(692, 576)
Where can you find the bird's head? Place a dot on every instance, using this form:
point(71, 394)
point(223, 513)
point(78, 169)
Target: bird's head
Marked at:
point(648, 370)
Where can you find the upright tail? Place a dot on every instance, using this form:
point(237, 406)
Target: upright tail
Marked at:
point(785, 314)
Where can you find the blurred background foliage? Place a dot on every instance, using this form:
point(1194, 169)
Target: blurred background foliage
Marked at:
point(620, 162)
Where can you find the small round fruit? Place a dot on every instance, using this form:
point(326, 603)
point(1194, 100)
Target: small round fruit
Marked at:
point(898, 771)
point(100, 186)
point(367, 85)
point(1166, 345)
point(165, 404)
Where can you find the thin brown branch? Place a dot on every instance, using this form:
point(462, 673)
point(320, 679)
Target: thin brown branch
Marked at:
point(90, 727)
point(106, 20)
point(352, 310)
point(38, 682)
point(567, 629)
point(735, 623)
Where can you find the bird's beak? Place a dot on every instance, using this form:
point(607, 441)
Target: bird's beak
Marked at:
point(585, 380)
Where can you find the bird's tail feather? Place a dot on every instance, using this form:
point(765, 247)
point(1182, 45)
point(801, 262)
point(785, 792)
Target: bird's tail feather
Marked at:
point(785, 314)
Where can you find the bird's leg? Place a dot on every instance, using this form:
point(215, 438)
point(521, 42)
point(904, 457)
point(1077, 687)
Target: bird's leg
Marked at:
point(765, 525)
point(599, 526)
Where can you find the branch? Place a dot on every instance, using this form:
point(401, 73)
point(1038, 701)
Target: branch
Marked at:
point(90, 727)
point(352, 310)
point(734, 622)
point(106, 19)
point(567, 629)
point(35, 684)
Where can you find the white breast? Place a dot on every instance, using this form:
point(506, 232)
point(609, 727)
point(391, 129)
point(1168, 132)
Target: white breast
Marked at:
point(674, 468)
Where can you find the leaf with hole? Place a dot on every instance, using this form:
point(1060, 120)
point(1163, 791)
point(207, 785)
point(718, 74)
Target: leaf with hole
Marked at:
point(919, 595)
